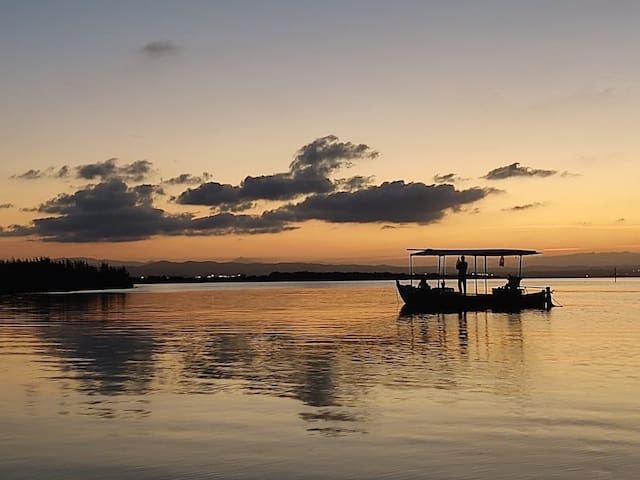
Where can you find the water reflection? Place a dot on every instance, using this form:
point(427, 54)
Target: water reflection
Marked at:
point(270, 383)
point(84, 345)
point(459, 349)
point(330, 360)
point(310, 371)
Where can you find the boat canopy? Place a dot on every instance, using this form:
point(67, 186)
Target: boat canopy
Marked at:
point(470, 252)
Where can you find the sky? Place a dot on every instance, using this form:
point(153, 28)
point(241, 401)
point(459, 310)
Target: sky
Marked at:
point(317, 131)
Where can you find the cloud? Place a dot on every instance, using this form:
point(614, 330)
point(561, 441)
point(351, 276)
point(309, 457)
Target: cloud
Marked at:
point(390, 202)
point(228, 223)
point(188, 179)
point(6, 205)
point(519, 208)
point(114, 212)
point(353, 183)
point(515, 170)
point(32, 174)
point(91, 171)
point(147, 192)
point(447, 178)
point(326, 154)
point(36, 174)
point(135, 171)
point(160, 49)
point(309, 173)
point(111, 210)
point(62, 172)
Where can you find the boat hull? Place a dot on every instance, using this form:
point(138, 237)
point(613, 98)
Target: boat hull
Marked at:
point(447, 300)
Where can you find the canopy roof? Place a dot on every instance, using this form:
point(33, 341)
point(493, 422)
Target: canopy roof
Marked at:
point(470, 252)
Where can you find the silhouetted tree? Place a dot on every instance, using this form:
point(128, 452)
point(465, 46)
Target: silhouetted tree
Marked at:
point(46, 275)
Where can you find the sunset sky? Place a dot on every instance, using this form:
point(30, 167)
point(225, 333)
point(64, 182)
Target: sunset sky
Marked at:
point(317, 131)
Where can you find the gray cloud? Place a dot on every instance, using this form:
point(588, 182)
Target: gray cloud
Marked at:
point(32, 174)
point(227, 223)
point(188, 179)
point(159, 49)
point(109, 211)
point(353, 183)
point(527, 206)
point(104, 169)
point(62, 172)
point(308, 173)
point(135, 171)
point(515, 170)
point(6, 205)
point(35, 174)
point(447, 178)
point(393, 202)
point(114, 212)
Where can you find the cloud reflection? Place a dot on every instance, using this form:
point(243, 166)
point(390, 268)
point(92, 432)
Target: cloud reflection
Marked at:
point(108, 345)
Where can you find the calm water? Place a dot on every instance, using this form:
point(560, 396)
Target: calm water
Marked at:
point(317, 380)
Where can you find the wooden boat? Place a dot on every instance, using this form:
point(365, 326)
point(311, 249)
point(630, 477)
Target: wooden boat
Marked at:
point(509, 297)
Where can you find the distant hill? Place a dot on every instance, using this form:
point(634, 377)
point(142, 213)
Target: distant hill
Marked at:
point(593, 259)
point(234, 268)
point(579, 264)
point(582, 264)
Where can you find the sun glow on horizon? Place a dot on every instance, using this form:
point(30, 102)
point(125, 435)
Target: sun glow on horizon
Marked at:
point(376, 129)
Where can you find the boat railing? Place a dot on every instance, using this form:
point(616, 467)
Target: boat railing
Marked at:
point(541, 287)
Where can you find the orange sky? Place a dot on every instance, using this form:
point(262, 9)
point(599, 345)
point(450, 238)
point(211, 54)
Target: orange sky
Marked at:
point(433, 89)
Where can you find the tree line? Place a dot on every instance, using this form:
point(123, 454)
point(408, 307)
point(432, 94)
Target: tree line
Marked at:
point(47, 275)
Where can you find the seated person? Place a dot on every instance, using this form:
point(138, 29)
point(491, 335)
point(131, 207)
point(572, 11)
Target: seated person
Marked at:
point(423, 283)
point(513, 282)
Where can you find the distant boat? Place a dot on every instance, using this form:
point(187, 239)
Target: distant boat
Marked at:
point(509, 297)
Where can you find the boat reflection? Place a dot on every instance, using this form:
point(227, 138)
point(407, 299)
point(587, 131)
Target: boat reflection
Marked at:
point(458, 348)
point(116, 350)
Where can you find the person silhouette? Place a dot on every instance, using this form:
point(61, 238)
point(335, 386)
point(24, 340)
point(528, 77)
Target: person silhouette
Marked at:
point(461, 266)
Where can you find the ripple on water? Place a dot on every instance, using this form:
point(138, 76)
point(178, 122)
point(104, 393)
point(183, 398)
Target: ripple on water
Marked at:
point(270, 382)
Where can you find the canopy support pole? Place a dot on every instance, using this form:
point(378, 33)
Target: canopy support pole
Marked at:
point(486, 288)
point(444, 271)
point(520, 268)
point(411, 270)
point(475, 272)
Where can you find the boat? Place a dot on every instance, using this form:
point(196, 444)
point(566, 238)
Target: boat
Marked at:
point(510, 297)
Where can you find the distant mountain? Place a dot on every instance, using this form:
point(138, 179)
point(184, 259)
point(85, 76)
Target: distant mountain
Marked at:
point(593, 259)
point(233, 268)
point(579, 264)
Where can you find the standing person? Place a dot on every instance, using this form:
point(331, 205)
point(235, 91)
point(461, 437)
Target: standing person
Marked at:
point(461, 266)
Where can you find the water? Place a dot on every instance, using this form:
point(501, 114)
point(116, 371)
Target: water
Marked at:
point(317, 380)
